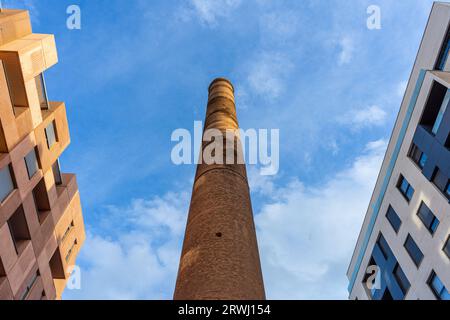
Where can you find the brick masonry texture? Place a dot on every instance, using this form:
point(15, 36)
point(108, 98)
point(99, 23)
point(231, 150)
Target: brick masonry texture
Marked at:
point(220, 258)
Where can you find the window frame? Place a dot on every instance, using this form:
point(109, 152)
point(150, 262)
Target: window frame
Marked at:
point(34, 150)
point(438, 295)
point(51, 125)
point(418, 160)
point(422, 219)
point(447, 245)
point(391, 210)
point(397, 278)
point(414, 243)
point(409, 187)
point(12, 179)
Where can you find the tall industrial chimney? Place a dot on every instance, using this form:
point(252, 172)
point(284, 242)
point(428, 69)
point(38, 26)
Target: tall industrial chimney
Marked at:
point(220, 258)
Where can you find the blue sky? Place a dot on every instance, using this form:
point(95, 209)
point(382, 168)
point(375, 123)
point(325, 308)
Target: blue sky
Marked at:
point(137, 70)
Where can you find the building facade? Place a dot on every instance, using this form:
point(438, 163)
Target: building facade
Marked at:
point(41, 223)
point(403, 250)
point(220, 257)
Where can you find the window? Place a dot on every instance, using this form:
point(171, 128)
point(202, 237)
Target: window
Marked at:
point(428, 218)
point(41, 200)
point(31, 163)
point(393, 219)
point(413, 250)
point(447, 190)
point(387, 296)
point(57, 173)
point(405, 188)
point(50, 134)
point(434, 107)
point(447, 143)
point(30, 285)
point(440, 180)
point(419, 157)
point(6, 183)
point(438, 288)
point(401, 278)
point(443, 56)
point(19, 229)
point(384, 247)
point(447, 248)
point(42, 92)
point(66, 233)
point(2, 269)
point(440, 116)
point(69, 253)
point(56, 266)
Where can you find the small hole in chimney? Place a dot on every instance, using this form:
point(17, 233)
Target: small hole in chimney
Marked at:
point(219, 234)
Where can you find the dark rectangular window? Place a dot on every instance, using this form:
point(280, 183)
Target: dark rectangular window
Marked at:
point(31, 163)
point(57, 173)
point(2, 269)
point(50, 134)
point(443, 55)
point(72, 248)
point(56, 266)
point(401, 278)
point(438, 288)
point(440, 180)
point(428, 218)
point(405, 188)
point(393, 219)
point(419, 157)
point(30, 285)
point(433, 106)
point(440, 116)
point(384, 247)
point(67, 232)
point(41, 200)
point(42, 92)
point(19, 229)
point(447, 248)
point(414, 251)
point(6, 183)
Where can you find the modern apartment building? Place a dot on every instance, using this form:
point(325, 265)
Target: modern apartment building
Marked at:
point(405, 238)
point(41, 224)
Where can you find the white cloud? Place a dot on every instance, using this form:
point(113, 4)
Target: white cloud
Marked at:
point(347, 50)
point(306, 239)
point(279, 24)
point(366, 117)
point(209, 11)
point(306, 236)
point(139, 258)
point(267, 74)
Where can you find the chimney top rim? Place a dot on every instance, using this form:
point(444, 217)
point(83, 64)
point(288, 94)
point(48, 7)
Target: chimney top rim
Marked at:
point(220, 79)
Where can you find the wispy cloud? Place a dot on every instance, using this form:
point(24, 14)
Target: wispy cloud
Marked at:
point(138, 256)
point(307, 237)
point(267, 74)
point(365, 117)
point(209, 11)
point(347, 49)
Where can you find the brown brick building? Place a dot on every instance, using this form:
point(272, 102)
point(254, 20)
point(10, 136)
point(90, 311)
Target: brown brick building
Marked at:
point(41, 224)
point(220, 258)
